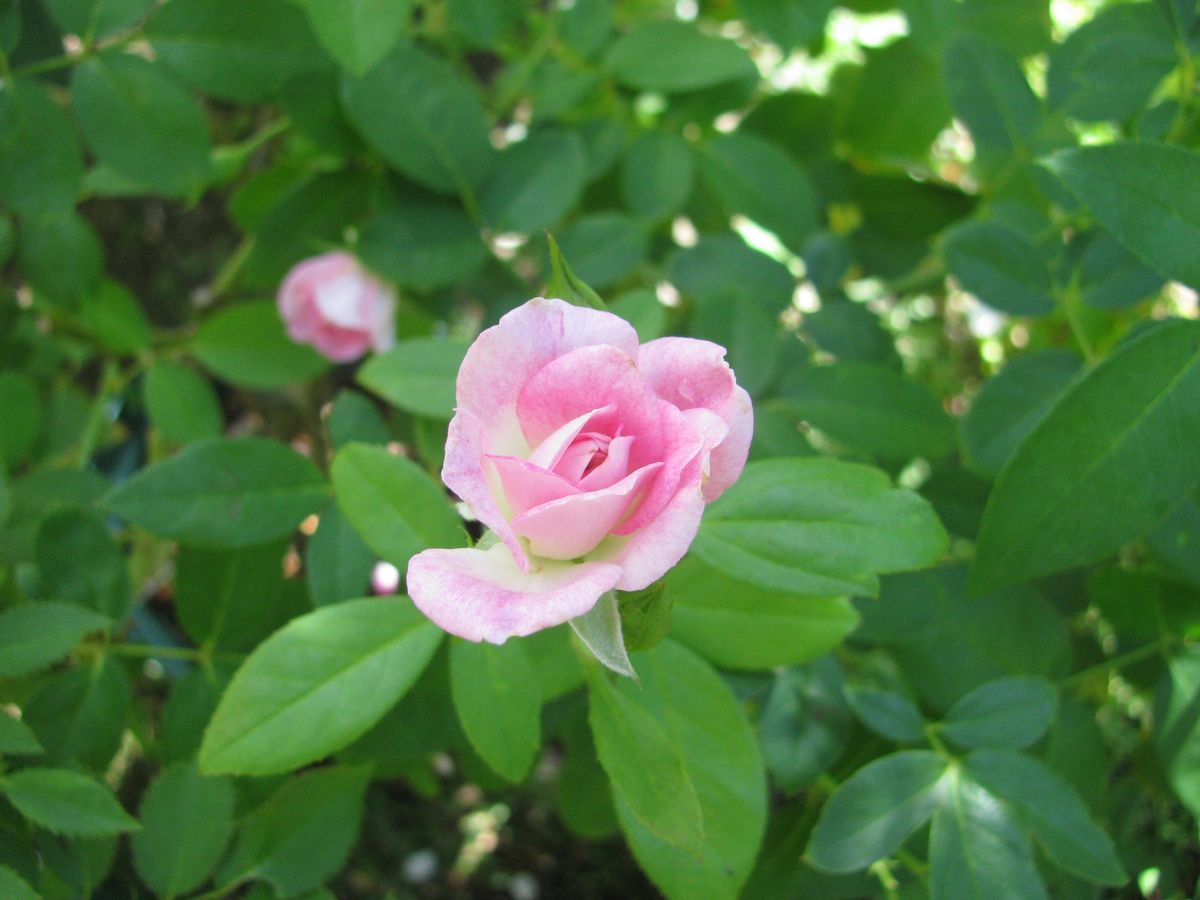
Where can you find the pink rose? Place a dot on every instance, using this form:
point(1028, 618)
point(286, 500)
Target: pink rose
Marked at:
point(333, 303)
point(589, 457)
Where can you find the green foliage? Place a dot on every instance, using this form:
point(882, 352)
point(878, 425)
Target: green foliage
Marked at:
point(66, 802)
point(38, 634)
point(498, 700)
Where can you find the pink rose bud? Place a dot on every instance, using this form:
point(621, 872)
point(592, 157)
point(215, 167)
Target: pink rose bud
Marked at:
point(333, 303)
point(590, 457)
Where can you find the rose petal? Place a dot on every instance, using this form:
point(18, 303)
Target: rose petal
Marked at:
point(681, 452)
point(613, 469)
point(527, 485)
point(297, 287)
point(343, 300)
point(483, 595)
point(729, 457)
point(504, 357)
point(340, 344)
point(549, 452)
point(572, 526)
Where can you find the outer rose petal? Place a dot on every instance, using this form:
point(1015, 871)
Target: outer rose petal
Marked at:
point(481, 595)
point(650, 552)
point(504, 357)
point(693, 374)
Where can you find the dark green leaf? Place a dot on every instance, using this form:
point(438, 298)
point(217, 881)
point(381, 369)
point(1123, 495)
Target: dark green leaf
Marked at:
point(80, 714)
point(1112, 278)
point(114, 316)
point(14, 887)
point(40, 163)
point(17, 739)
point(889, 714)
point(423, 245)
point(789, 23)
point(1007, 713)
point(182, 404)
point(45, 242)
point(1177, 725)
point(141, 123)
point(79, 562)
point(247, 345)
point(1000, 267)
point(34, 635)
point(337, 562)
point(875, 810)
point(223, 493)
point(498, 700)
point(1064, 498)
point(604, 247)
point(656, 175)
point(804, 724)
point(672, 57)
point(535, 183)
point(66, 802)
point(97, 17)
point(20, 417)
point(417, 375)
point(229, 598)
point(358, 33)
point(343, 666)
point(989, 93)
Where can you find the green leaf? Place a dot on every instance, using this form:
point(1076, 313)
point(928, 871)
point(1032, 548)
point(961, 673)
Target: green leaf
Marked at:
point(889, 714)
point(79, 562)
point(1007, 713)
point(499, 701)
point(417, 375)
point(424, 119)
point(759, 179)
point(141, 123)
point(1146, 195)
point(645, 762)
point(247, 345)
point(989, 94)
point(975, 849)
point(720, 757)
point(17, 738)
point(656, 175)
point(181, 403)
point(1011, 403)
point(600, 631)
point(1000, 267)
point(642, 309)
point(424, 245)
point(45, 242)
point(872, 408)
point(14, 887)
point(97, 17)
point(66, 802)
point(80, 715)
point(343, 666)
point(1049, 806)
point(805, 723)
point(187, 820)
point(34, 635)
point(817, 526)
point(645, 616)
point(564, 284)
point(243, 52)
point(740, 626)
point(337, 562)
point(302, 834)
point(188, 711)
point(358, 33)
point(875, 810)
point(535, 183)
point(604, 247)
point(1112, 278)
point(1177, 725)
point(40, 164)
point(393, 503)
point(20, 417)
point(1065, 498)
point(223, 493)
point(789, 23)
point(355, 417)
point(114, 316)
point(673, 57)
point(229, 598)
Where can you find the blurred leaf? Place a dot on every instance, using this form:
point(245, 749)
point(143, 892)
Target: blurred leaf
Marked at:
point(989, 93)
point(417, 375)
point(565, 284)
point(80, 715)
point(423, 118)
point(355, 417)
point(14, 886)
point(675, 56)
point(396, 508)
point(889, 714)
point(999, 266)
point(817, 526)
point(246, 344)
point(115, 317)
point(1006, 713)
point(604, 247)
point(1065, 497)
point(1022, 27)
point(20, 416)
point(187, 820)
point(223, 493)
point(535, 183)
point(66, 802)
point(1046, 804)
point(586, 25)
point(141, 123)
point(804, 723)
point(875, 810)
point(789, 23)
point(302, 834)
point(656, 175)
point(498, 700)
point(849, 331)
point(79, 562)
point(45, 242)
point(1176, 539)
point(17, 738)
point(229, 598)
point(975, 849)
point(181, 403)
point(343, 666)
point(423, 245)
point(740, 626)
point(1012, 403)
point(1146, 195)
point(641, 308)
point(337, 562)
point(871, 408)
point(1177, 725)
point(720, 759)
point(97, 18)
point(243, 52)
point(34, 635)
point(40, 163)
point(1112, 278)
point(358, 33)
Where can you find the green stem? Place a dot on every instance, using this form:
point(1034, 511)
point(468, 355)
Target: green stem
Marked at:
point(110, 382)
point(931, 735)
point(46, 65)
point(1187, 87)
point(191, 654)
point(1070, 301)
point(233, 266)
point(1117, 662)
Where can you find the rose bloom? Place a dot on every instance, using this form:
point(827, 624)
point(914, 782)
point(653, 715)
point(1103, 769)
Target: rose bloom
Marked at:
point(333, 303)
point(590, 457)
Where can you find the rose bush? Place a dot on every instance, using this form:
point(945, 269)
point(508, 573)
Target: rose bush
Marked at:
point(591, 459)
point(332, 302)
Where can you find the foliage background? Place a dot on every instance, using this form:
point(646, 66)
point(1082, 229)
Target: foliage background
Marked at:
point(949, 244)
